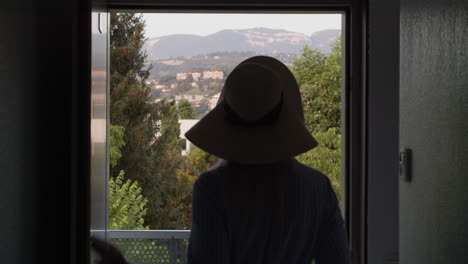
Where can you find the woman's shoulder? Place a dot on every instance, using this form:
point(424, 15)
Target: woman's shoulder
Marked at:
point(212, 178)
point(310, 174)
point(209, 177)
point(209, 186)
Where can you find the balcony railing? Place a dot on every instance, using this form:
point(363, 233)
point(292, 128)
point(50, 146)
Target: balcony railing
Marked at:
point(151, 246)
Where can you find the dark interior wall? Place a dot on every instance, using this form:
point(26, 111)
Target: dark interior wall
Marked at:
point(382, 145)
point(434, 125)
point(42, 69)
point(17, 126)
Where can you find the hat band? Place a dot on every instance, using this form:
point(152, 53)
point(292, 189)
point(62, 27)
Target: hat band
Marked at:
point(268, 119)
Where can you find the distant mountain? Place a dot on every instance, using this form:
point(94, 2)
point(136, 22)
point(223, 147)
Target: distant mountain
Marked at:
point(217, 61)
point(258, 40)
point(322, 40)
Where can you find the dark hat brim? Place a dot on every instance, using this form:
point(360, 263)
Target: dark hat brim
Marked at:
point(285, 138)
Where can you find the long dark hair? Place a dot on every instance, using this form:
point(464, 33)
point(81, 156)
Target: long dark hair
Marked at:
point(271, 186)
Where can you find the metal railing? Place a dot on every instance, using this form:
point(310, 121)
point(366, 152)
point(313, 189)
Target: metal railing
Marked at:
point(151, 246)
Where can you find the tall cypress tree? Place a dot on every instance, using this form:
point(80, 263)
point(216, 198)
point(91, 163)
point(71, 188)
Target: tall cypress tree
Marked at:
point(151, 153)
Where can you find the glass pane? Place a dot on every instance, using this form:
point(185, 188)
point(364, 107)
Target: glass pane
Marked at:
point(167, 72)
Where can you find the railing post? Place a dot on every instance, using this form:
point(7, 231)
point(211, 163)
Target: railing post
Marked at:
point(172, 251)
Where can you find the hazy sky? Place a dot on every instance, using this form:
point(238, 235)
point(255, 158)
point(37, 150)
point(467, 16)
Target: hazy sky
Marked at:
point(204, 24)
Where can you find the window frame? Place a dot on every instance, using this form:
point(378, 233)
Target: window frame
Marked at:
point(355, 98)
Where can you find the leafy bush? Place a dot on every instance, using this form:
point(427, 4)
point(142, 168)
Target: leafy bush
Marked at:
point(127, 207)
point(326, 157)
point(319, 78)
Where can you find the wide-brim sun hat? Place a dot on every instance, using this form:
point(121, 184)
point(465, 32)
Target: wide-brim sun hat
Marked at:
point(258, 118)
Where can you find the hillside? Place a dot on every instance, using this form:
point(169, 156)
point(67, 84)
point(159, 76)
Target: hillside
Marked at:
point(180, 62)
point(223, 61)
point(256, 40)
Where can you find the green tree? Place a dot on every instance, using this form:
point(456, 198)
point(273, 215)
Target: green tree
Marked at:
point(127, 207)
point(186, 109)
point(197, 161)
point(151, 152)
point(202, 109)
point(326, 157)
point(200, 160)
point(319, 78)
point(116, 144)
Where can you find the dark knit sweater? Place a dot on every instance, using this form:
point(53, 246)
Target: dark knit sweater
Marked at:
point(315, 232)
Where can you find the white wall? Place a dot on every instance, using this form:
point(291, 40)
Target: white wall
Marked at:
point(185, 125)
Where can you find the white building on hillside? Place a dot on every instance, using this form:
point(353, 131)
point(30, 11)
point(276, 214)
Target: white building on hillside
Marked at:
point(214, 101)
point(184, 75)
point(213, 75)
point(185, 125)
point(181, 76)
point(196, 76)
